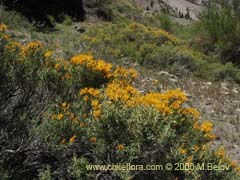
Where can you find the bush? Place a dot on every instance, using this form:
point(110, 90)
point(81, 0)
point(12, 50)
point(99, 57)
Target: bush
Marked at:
point(222, 25)
point(68, 115)
point(153, 48)
point(166, 22)
point(67, 20)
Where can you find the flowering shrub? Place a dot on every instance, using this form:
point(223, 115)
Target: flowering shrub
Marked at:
point(155, 48)
point(82, 111)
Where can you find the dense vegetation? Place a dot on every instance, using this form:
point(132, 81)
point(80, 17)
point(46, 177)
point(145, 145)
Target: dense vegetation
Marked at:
point(221, 26)
point(63, 107)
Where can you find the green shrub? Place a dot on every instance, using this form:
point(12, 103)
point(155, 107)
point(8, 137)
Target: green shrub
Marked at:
point(15, 20)
point(45, 174)
point(166, 22)
point(222, 25)
point(67, 20)
point(70, 114)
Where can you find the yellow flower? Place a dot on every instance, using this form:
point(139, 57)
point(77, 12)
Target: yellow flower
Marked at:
point(93, 139)
point(120, 147)
point(5, 37)
point(93, 65)
point(34, 45)
point(3, 27)
point(220, 152)
point(65, 66)
point(233, 163)
point(66, 76)
point(183, 151)
point(76, 121)
point(48, 54)
point(196, 126)
point(63, 141)
point(14, 46)
point(90, 91)
point(53, 117)
point(95, 103)
point(97, 113)
point(72, 139)
point(196, 148)
point(211, 136)
point(81, 124)
point(191, 111)
point(206, 126)
point(86, 98)
point(57, 66)
point(133, 73)
point(189, 159)
point(60, 116)
point(65, 106)
point(204, 147)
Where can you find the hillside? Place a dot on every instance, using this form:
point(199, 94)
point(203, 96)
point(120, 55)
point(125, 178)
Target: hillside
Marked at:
point(116, 82)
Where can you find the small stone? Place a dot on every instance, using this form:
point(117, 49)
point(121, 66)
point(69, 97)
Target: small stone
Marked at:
point(235, 146)
point(235, 91)
point(224, 86)
point(173, 80)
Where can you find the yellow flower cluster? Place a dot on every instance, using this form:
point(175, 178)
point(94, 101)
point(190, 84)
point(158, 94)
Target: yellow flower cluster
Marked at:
point(123, 73)
point(72, 139)
point(170, 37)
point(93, 139)
point(206, 126)
point(48, 54)
point(183, 151)
point(65, 106)
point(95, 95)
point(66, 76)
point(23, 50)
point(90, 91)
point(220, 152)
point(164, 102)
point(120, 147)
point(88, 60)
point(34, 45)
point(155, 31)
point(3, 27)
point(57, 116)
point(13, 46)
point(119, 90)
point(96, 109)
point(191, 111)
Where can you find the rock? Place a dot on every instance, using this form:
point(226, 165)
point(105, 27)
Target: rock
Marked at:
point(235, 91)
point(235, 146)
point(224, 86)
point(165, 73)
point(209, 83)
point(188, 95)
point(173, 80)
point(226, 93)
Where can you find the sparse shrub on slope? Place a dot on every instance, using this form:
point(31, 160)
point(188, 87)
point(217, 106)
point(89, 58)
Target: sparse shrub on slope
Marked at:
point(59, 116)
point(221, 24)
point(155, 48)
